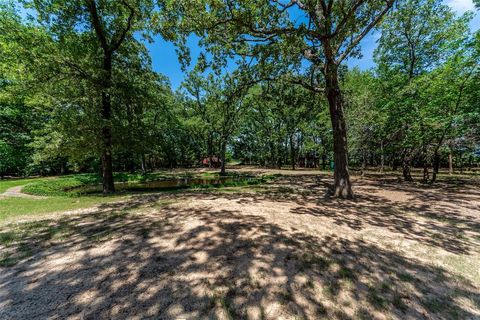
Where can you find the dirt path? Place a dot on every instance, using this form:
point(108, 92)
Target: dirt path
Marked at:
point(17, 192)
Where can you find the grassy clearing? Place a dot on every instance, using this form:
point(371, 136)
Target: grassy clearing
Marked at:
point(69, 192)
point(83, 184)
point(11, 208)
point(71, 185)
point(10, 183)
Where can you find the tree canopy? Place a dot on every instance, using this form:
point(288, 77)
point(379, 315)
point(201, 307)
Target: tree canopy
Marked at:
point(271, 87)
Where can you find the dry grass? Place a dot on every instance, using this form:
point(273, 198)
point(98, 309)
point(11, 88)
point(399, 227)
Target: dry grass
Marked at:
point(286, 251)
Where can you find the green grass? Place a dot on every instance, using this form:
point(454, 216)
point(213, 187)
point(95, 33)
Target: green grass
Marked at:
point(17, 207)
point(10, 183)
point(83, 184)
point(12, 207)
point(71, 185)
point(69, 192)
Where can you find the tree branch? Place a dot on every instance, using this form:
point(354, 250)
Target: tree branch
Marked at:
point(365, 31)
point(97, 24)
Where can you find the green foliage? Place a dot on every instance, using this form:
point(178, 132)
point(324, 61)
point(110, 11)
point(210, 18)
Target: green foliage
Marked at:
point(417, 106)
point(82, 184)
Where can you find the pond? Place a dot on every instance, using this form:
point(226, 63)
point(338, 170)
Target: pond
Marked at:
point(178, 183)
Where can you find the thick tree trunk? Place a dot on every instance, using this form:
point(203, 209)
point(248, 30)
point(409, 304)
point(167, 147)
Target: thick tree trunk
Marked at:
point(107, 162)
point(450, 163)
point(342, 185)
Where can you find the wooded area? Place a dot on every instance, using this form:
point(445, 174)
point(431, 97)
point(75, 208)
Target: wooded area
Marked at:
point(79, 93)
point(305, 159)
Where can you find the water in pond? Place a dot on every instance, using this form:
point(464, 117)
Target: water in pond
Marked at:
point(173, 183)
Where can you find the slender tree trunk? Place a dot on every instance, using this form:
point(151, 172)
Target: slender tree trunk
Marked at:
point(271, 144)
point(407, 176)
point(426, 174)
point(363, 163)
point(144, 164)
point(461, 163)
point(292, 152)
point(450, 163)
point(436, 166)
point(279, 154)
point(210, 149)
point(382, 157)
point(342, 185)
point(107, 162)
point(224, 151)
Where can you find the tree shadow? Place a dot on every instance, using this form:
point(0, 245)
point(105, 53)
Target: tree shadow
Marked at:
point(441, 219)
point(169, 262)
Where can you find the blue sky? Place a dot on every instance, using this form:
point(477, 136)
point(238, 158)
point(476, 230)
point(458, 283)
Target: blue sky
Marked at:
point(164, 57)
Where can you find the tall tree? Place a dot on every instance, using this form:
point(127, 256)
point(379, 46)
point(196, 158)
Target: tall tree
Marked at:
point(219, 103)
point(320, 32)
point(417, 36)
point(97, 30)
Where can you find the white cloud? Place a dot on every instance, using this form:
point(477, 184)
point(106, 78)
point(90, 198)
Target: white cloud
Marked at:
point(460, 6)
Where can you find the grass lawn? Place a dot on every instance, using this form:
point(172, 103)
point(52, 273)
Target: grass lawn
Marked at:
point(11, 208)
point(279, 250)
point(10, 183)
point(61, 194)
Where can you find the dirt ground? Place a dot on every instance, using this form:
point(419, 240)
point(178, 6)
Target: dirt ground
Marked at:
point(283, 251)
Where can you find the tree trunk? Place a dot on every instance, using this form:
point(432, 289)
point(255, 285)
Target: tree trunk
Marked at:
point(426, 174)
point(407, 176)
point(382, 157)
point(436, 166)
point(450, 163)
point(363, 163)
point(210, 150)
point(144, 164)
point(461, 163)
point(224, 151)
point(292, 152)
point(342, 185)
point(107, 165)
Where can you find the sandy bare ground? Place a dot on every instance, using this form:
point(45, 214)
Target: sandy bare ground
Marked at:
point(287, 251)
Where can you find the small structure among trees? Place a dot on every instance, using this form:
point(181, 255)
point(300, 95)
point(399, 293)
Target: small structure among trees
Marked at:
point(212, 162)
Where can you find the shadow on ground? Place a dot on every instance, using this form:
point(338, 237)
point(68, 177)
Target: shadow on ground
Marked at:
point(206, 262)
